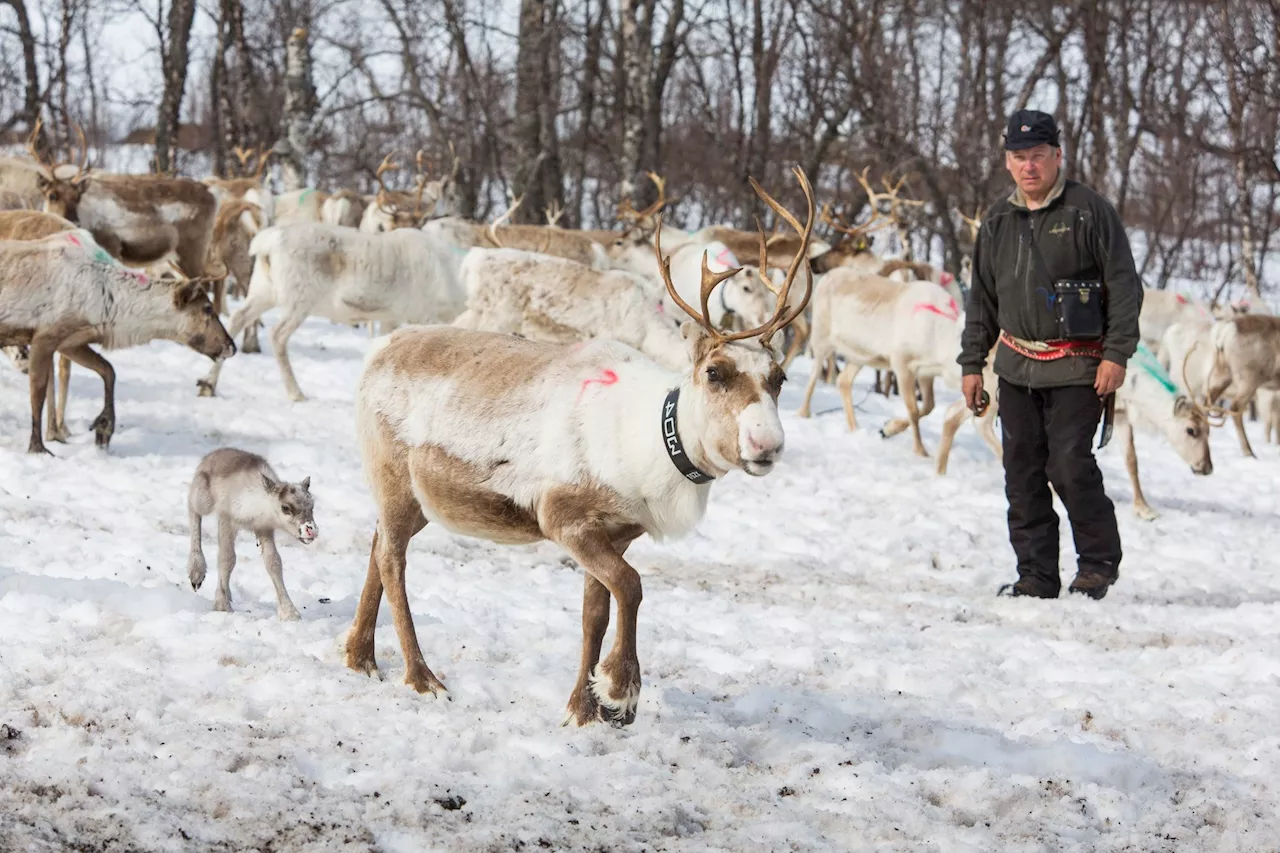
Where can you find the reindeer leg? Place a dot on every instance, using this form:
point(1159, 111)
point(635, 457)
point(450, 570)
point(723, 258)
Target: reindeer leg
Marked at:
point(615, 681)
point(51, 410)
point(1140, 506)
point(799, 338)
point(907, 390)
point(248, 313)
point(583, 707)
point(43, 346)
point(226, 562)
point(285, 609)
point(251, 344)
point(1237, 418)
point(956, 415)
point(280, 340)
point(926, 396)
point(104, 426)
point(199, 504)
point(844, 382)
point(814, 375)
point(64, 387)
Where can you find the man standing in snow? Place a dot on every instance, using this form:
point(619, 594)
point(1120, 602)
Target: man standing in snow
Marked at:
point(1054, 282)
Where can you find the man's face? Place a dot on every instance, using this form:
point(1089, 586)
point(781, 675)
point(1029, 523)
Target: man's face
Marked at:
point(1034, 170)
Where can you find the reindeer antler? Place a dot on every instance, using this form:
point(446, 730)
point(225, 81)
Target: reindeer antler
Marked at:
point(243, 155)
point(553, 212)
point(890, 194)
point(264, 156)
point(974, 223)
point(860, 229)
point(627, 211)
point(424, 172)
point(48, 163)
point(1214, 415)
point(387, 165)
point(506, 214)
point(781, 317)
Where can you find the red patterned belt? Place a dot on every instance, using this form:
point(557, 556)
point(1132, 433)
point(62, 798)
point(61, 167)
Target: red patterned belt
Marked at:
point(1051, 350)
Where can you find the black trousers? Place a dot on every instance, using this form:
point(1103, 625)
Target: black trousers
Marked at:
point(1048, 436)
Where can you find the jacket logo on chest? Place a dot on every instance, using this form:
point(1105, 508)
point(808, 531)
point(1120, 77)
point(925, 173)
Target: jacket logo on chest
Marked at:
point(1060, 229)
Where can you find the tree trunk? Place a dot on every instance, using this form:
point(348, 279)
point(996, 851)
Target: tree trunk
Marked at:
point(531, 92)
point(174, 65)
point(31, 71)
point(636, 56)
point(299, 112)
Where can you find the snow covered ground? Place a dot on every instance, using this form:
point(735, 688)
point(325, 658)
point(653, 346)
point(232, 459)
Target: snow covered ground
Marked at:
point(826, 666)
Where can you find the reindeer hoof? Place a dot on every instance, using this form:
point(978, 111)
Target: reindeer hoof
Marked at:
point(37, 447)
point(1146, 513)
point(289, 614)
point(205, 388)
point(616, 710)
point(424, 681)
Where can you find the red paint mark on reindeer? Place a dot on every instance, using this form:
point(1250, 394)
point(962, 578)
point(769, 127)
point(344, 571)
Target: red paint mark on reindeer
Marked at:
point(1182, 300)
point(951, 311)
point(606, 377)
point(74, 240)
point(946, 278)
point(725, 258)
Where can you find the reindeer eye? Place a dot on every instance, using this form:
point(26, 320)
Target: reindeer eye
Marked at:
point(1192, 431)
point(713, 375)
point(288, 510)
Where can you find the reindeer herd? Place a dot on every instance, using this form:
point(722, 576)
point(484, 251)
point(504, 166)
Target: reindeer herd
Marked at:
point(546, 371)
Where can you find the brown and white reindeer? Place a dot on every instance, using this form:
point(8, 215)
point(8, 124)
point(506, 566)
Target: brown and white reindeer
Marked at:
point(64, 292)
point(1246, 360)
point(137, 218)
point(35, 225)
point(392, 209)
point(589, 446)
point(566, 243)
point(249, 187)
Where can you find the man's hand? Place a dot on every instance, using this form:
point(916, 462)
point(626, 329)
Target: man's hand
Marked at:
point(971, 385)
point(1108, 380)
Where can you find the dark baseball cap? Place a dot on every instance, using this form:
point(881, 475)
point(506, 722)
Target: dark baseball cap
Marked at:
point(1029, 128)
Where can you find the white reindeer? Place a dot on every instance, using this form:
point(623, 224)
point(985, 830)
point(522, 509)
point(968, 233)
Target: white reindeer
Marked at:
point(247, 494)
point(588, 446)
point(348, 276)
point(1148, 398)
point(1162, 308)
point(554, 300)
point(910, 328)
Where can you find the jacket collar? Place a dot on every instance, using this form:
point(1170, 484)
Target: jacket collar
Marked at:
point(1017, 199)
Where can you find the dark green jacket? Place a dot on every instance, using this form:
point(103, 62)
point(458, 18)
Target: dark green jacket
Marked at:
point(1080, 236)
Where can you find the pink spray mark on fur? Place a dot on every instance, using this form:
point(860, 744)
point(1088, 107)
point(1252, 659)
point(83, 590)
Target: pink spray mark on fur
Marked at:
point(74, 240)
point(606, 377)
point(1182, 300)
point(951, 312)
point(946, 278)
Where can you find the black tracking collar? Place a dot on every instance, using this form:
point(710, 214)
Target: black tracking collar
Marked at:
point(675, 450)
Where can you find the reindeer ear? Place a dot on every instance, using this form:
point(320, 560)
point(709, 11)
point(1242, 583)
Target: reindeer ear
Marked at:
point(42, 182)
point(697, 339)
point(186, 294)
point(1182, 405)
point(306, 484)
point(269, 484)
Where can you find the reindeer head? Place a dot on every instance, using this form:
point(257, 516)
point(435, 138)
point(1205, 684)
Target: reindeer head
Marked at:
point(61, 194)
point(294, 508)
point(736, 376)
point(393, 209)
point(198, 325)
point(854, 239)
point(1187, 429)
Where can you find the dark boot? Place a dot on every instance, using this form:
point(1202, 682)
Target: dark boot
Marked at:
point(1091, 584)
point(1030, 587)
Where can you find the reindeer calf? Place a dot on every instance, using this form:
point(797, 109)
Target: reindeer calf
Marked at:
point(246, 494)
